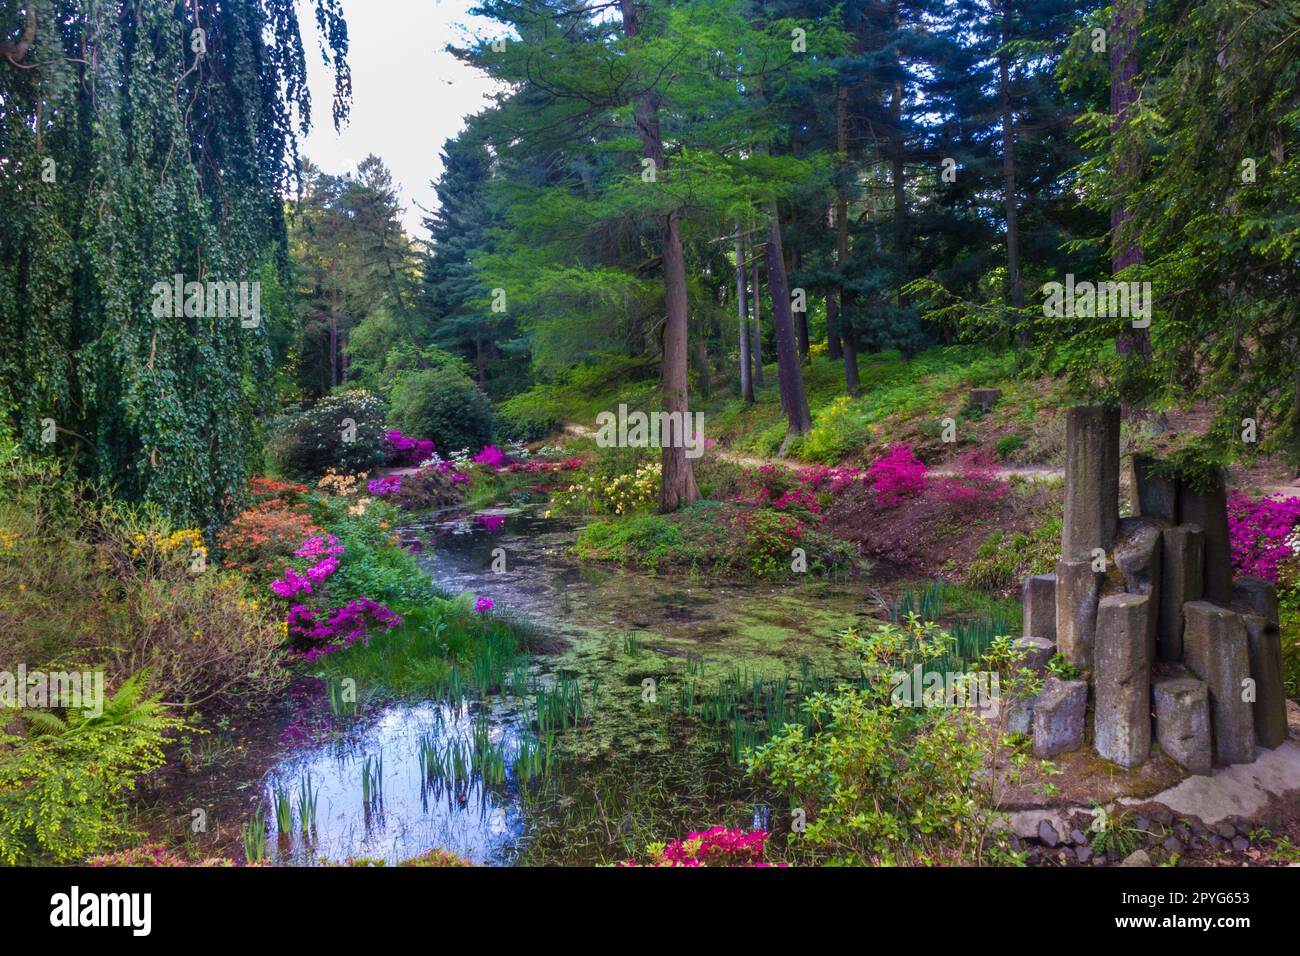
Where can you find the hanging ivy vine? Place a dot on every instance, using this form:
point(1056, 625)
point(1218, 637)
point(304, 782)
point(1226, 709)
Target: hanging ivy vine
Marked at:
point(142, 140)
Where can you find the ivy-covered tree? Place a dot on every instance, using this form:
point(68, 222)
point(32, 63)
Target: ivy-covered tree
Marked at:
point(141, 141)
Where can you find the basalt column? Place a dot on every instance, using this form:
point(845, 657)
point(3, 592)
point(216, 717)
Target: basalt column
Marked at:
point(1091, 519)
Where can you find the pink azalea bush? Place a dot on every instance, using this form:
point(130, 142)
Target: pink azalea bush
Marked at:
point(491, 456)
point(1258, 530)
point(385, 486)
point(342, 627)
point(898, 475)
point(483, 605)
point(719, 846)
point(404, 450)
point(975, 484)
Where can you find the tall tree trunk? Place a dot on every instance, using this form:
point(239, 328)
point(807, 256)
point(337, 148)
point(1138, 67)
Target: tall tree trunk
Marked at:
point(678, 484)
point(851, 381)
point(1123, 73)
point(1015, 287)
point(787, 356)
point(742, 312)
point(902, 239)
point(756, 335)
point(833, 349)
point(801, 317)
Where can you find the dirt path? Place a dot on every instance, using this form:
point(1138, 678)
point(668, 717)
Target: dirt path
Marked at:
point(1030, 473)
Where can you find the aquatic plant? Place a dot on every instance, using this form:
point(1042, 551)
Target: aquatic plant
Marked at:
point(306, 805)
point(254, 837)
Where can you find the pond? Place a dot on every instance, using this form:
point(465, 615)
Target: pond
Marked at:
point(633, 645)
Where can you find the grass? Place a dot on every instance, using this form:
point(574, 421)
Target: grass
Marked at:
point(444, 650)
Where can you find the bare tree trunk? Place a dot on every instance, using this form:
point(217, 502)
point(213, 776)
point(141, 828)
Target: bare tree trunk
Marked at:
point(756, 336)
point(742, 311)
point(801, 317)
point(1123, 73)
point(1015, 287)
point(833, 347)
point(678, 484)
point(851, 381)
point(793, 399)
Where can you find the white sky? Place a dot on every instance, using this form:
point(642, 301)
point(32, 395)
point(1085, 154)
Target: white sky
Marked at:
point(408, 94)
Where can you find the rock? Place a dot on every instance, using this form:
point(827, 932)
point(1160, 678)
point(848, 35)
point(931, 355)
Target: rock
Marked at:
point(1099, 861)
point(1039, 597)
point(1154, 495)
point(1225, 829)
point(1091, 480)
point(1182, 831)
point(1059, 715)
point(1143, 824)
point(1138, 555)
point(985, 398)
point(1160, 814)
point(1207, 507)
point(1182, 707)
point(1078, 591)
point(1257, 595)
point(1122, 680)
point(1264, 648)
point(1215, 647)
point(1137, 858)
point(1078, 837)
point(1037, 653)
point(1182, 568)
point(1172, 845)
point(1047, 833)
point(1083, 853)
point(1240, 844)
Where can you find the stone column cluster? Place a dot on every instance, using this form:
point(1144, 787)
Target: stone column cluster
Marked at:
point(1168, 646)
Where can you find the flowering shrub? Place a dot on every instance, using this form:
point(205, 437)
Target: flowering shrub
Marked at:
point(839, 429)
point(336, 483)
point(430, 487)
point(1261, 533)
point(483, 605)
point(716, 847)
point(536, 467)
point(341, 627)
point(267, 532)
point(491, 456)
point(976, 482)
point(769, 538)
point(305, 444)
point(404, 450)
point(385, 486)
point(897, 475)
point(619, 495)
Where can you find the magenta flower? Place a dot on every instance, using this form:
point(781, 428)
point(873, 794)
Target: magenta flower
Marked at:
point(483, 605)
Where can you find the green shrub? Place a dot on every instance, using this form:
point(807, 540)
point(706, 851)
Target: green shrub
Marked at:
point(886, 783)
point(1004, 560)
point(373, 564)
point(527, 417)
point(444, 406)
point(1007, 445)
point(63, 786)
point(344, 431)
